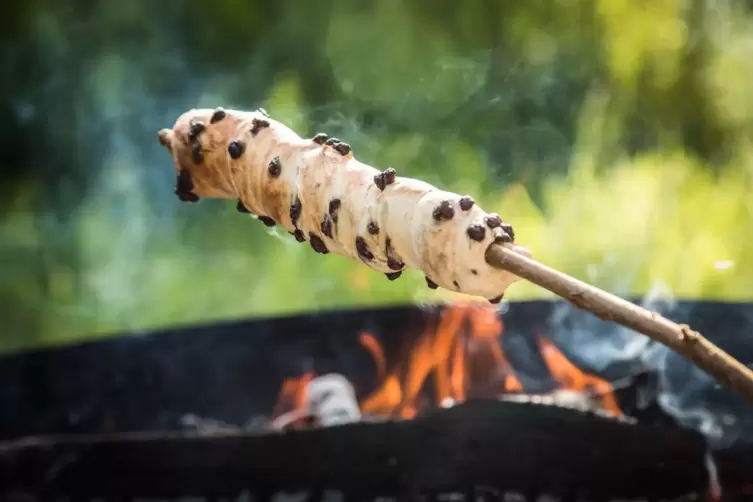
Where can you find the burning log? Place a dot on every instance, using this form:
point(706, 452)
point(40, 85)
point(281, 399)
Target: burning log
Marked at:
point(317, 191)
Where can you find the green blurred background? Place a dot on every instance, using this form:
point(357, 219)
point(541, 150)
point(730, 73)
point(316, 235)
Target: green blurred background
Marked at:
point(615, 135)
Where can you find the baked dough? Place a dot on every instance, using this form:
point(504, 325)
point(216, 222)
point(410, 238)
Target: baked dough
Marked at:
point(319, 192)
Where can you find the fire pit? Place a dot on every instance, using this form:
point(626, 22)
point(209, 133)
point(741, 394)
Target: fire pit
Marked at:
point(453, 402)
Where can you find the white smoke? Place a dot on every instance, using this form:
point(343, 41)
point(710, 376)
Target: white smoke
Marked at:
point(682, 387)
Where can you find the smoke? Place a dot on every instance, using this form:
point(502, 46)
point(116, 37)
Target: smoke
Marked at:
point(682, 389)
point(126, 242)
point(126, 209)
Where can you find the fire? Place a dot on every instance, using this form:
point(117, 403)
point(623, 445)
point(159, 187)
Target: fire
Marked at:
point(571, 378)
point(458, 357)
point(466, 333)
point(292, 396)
point(371, 344)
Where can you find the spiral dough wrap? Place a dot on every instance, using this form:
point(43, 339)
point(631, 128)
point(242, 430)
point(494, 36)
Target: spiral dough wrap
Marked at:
point(318, 191)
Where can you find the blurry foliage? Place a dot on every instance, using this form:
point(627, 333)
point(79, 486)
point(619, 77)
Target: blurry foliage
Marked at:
point(614, 135)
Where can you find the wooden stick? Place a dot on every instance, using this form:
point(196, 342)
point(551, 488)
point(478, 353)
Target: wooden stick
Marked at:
point(678, 337)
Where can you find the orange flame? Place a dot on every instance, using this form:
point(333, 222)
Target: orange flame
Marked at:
point(465, 332)
point(463, 355)
point(570, 377)
point(371, 344)
point(292, 395)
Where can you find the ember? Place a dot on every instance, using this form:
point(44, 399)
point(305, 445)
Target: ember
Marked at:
point(457, 357)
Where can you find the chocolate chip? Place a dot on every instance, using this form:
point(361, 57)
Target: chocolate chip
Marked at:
point(509, 231)
point(363, 249)
point(455, 283)
point(317, 244)
point(195, 127)
point(267, 221)
point(500, 236)
point(492, 220)
point(326, 226)
point(342, 148)
point(183, 181)
point(236, 148)
point(387, 177)
point(395, 264)
point(466, 203)
point(257, 125)
point(431, 284)
point(476, 231)
point(334, 207)
point(444, 211)
point(263, 112)
point(184, 193)
point(184, 187)
point(241, 207)
point(393, 275)
point(218, 115)
point(187, 196)
point(197, 153)
point(497, 299)
point(275, 167)
point(320, 138)
point(372, 228)
point(474, 271)
point(295, 211)
point(392, 262)
point(332, 141)
point(299, 235)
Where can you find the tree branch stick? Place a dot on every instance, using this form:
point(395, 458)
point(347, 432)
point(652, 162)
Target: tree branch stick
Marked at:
point(678, 337)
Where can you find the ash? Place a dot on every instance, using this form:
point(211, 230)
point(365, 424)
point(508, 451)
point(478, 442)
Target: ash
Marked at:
point(330, 400)
point(567, 399)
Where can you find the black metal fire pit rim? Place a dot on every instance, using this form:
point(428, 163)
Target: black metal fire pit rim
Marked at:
point(316, 316)
point(217, 325)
